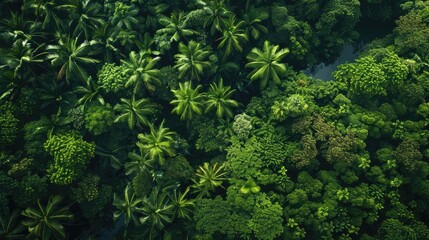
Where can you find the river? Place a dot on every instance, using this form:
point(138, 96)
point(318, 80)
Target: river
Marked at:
point(323, 71)
point(368, 32)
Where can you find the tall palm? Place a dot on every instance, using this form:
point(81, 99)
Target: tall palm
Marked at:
point(53, 94)
point(218, 14)
point(156, 144)
point(157, 211)
point(16, 27)
point(73, 57)
point(139, 164)
point(86, 16)
point(233, 37)
point(135, 112)
point(174, 26)
point(49, 10)
point(208, 178)
point(147, 44)
point(252, 19)
point(103, 35)
point(141, 68)
point(181, 204)
point(152, 13)
point(22, 58)
point(128, 206)
point(192, 60)
point(89, 92)
point(266, 63)
point(219, 98)
point(46, 222)
point(188, 101)
point(10, 227)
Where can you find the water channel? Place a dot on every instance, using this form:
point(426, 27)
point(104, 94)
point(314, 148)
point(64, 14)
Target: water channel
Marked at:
point(368, 32)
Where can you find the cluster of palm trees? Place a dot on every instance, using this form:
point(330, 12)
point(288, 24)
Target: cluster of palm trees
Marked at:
point(94, 38)
point(57, 47)
point(155, 210)
point(190, 101)
point(165, 202)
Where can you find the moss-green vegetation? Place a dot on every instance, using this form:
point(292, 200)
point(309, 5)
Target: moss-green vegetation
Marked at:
point(192, 119)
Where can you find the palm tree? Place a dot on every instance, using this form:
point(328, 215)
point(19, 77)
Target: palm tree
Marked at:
point(266, 64)
point(49, 10)
point(218, 14)
point(72, 57)
point(90, 92)
point(175, 26)
point(45, 222)
point(181, 205)
point(156, 210)
point(53, 94)
point(192, 60)
point(16, 27)
point(157, 144)
point(22, 58)
point(188, 101)
point(127, 206)
point(252, 19)
point(152, 13)
point(147, 44)
point(140, 67)
point(233, 37)
point(139, 163)
point(128, 39)
point(10, 227)
point(208, 178)
point(19, 55)
point(135, 112)
point(86, 16)
point(218, 98)
point(104, 35)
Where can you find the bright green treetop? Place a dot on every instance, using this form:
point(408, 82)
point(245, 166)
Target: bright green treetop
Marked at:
point(134, 111)
point(191, 60)
point(188, 101)
point(71, 155)
point(157, 144)
point(266, 63)
point(219, 99)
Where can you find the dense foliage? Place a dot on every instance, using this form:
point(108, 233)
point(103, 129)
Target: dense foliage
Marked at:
point(193, 119)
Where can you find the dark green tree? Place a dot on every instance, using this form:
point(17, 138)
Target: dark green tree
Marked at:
point(134, 112)
point(10, 226)
point(233, 37)
point(46, 221)
point(191, 60)
point(217, 14)
point(72, 56)
point(174, 27)
point(219, 99)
